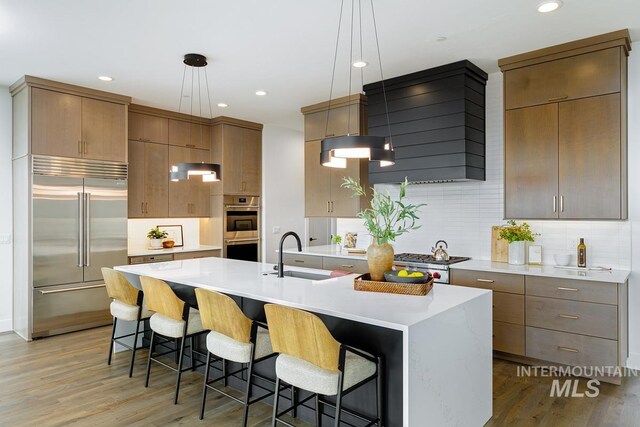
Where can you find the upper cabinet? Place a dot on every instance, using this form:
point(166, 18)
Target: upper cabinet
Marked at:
point(189, 134)
point(324, 196)
point(565, 128)
point(148, 128)
point(237, 146)
point(68, 124)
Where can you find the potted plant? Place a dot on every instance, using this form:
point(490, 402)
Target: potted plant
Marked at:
point(516, 235)
point(337, 240)
point(385, 220)
point(155, 236)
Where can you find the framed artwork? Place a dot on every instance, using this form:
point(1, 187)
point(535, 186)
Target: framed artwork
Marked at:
point(175, 234)
point(535, 254)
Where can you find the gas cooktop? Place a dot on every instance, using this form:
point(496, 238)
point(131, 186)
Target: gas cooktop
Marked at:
point(426, 259)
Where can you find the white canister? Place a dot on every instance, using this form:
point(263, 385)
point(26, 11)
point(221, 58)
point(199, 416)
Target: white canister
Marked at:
point(155, 243)
point(516, 252)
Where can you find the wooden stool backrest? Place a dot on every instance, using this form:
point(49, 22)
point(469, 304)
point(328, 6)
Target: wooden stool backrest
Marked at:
point(302, 335)
point(118, 287)
point(220, 313)
point(160, 298)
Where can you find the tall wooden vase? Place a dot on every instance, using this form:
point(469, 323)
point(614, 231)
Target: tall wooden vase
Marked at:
point(380, 259)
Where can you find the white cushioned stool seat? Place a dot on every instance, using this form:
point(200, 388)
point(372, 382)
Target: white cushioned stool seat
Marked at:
point(237, 351)
point(310, 377)
point(173, 328)
point(123, 311)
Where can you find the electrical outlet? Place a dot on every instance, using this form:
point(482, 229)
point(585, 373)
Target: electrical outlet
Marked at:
point(276, 229)
point(5, 238)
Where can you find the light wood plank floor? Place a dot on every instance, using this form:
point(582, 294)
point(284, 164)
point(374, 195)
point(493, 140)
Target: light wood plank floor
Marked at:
point(64, 380)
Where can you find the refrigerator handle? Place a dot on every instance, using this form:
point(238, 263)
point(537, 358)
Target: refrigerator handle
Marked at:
point(87, 229)
point(80, 232)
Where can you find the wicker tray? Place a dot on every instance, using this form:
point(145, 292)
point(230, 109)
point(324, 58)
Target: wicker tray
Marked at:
point(364, 283)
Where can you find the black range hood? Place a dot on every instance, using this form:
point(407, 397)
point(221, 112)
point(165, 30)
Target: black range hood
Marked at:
point(437, 119)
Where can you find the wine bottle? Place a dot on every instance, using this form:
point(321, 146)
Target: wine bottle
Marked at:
point(582, 253)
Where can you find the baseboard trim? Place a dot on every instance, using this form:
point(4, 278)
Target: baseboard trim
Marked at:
point(633, 361)
point(6, 325)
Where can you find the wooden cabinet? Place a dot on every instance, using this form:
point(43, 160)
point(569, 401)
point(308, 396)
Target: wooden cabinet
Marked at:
point(565, 130)
point(324, 196)
point(189, 134)
point(172, 256)
point(237, 146)
point(148, 180)
point(70, 125)
point(148, 128)
point(320, 262)
point(188, 198)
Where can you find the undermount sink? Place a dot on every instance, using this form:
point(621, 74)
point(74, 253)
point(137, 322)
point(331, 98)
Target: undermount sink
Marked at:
point(304, 275)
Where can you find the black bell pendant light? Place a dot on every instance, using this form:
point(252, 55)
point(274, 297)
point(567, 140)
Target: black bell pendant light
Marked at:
point(335, 151)
point(210, 172)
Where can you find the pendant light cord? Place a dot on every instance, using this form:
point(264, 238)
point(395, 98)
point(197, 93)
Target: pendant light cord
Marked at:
point(361, 56)
point(350, 70)
point(384, 92)
point(333, 74)
point(184, 73)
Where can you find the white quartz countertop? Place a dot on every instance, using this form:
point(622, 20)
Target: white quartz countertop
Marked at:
point(614, 276)
point(325, 250)
point(334, 297)
point(147, 251)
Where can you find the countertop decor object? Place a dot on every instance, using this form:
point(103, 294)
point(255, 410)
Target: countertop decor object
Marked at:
point(535, 254)
point(173, 232)
point(562, 259)
point(385, 220)
point(155, 236)
point(364, 283)
point(210, 172)
point(168, 244)
point(516, 235)
point(499, 247)
point(335, 150)
point(396, 277)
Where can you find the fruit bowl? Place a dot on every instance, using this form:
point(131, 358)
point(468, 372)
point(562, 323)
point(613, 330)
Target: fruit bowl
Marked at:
point(393, 276)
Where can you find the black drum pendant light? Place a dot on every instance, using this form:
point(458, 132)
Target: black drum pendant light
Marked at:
point(210, 172)
point(336, 150)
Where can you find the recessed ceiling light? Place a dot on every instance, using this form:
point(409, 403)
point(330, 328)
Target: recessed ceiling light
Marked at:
point(222, 105)
point(549, 6)
point(360, 64)
point(261, 92)
point(105, 78)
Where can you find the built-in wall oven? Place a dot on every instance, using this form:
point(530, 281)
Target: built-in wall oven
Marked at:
point(242, 228)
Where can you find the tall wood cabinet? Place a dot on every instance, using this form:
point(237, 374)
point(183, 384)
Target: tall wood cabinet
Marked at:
point(565, 130)
point(148, 183)
point(324, 196)
point(237, 146)
point(70, 121)
point(188, 198)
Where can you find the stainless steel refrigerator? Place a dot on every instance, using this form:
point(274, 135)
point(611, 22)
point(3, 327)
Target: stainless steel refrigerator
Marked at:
point(79, 225)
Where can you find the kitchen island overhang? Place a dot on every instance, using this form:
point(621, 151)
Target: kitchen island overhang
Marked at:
point(444, 367)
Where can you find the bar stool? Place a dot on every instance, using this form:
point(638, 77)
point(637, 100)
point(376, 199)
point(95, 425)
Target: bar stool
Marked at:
point(173, 319)
point(312, 360)
point(127, 305)
point(233, 337)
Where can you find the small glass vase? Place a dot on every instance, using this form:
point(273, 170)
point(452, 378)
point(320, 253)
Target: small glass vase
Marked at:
point(516, 253)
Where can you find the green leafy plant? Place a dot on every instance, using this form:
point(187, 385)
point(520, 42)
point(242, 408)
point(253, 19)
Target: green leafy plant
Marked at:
point(336, 239)
point(517, 233)
point(386, 219)
point(156, 233)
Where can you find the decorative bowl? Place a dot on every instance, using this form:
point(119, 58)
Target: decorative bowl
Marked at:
point(562, 259)
point(168, 244)
point(392, 276)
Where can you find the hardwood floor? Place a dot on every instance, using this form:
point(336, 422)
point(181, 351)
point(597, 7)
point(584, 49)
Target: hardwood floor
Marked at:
point(65, 381)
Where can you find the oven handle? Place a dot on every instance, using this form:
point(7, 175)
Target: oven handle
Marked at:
point(242, 206)
point(251, 239)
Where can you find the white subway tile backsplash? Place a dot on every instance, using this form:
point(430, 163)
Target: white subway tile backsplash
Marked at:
point(462, 213)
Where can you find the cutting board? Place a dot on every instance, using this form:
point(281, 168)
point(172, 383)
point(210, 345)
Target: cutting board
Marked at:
point(499, 247)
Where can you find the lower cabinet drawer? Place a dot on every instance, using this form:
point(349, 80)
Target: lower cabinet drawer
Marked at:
point(577, 290)
point(586, 318)
point(508, 338)
point(508, 308)
point(502, 282)
point(354, 265)
point(145, 259)
point(570, 349)
point(197, 254)
point(309, 261)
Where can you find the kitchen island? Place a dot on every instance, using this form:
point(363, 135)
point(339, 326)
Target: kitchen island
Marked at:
point(437, 347)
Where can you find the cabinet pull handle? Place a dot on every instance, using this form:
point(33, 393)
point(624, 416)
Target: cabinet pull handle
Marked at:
point(85, 147)
point(79, 147)
point(569, 349)
point(347, 265)
point(330, 134)
point(141, 207)
point(191, 145)
point(568, 316)
point(328, 206)
point(146, 207)
point(562, 288)
point(558, 98)
point(299, 260)
point(332, 206)
point(485, 280)
point(561, 203)
point(555, 203)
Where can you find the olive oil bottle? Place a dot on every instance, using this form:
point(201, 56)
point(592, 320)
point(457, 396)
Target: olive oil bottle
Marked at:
point(582, 253)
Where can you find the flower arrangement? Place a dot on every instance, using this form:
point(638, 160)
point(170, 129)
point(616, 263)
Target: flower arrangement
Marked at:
point(513, 232)
point(386, 219)
point(156, 233)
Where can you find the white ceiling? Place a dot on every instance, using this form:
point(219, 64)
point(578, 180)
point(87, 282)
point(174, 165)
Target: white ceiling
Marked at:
point(282, 46)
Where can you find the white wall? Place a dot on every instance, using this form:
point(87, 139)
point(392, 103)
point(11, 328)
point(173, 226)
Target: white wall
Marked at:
point(282, 187)
point(463, 213)
point(6, 218)
point(138, 229)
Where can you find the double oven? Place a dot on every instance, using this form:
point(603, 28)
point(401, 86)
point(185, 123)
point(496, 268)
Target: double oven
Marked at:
point(241, 228)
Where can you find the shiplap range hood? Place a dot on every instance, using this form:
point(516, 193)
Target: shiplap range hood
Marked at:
point(437, 121)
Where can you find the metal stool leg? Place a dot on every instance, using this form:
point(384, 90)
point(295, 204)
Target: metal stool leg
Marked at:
point(180, 360)
point(380, 392)
point(318, 411)
point(275, 403)
point(247, 396)
point(133, 348)
point(294, 402)
point(113, 335)
point(204, 388)
point(339, 400)
point(193, 364)
point(146, 381)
